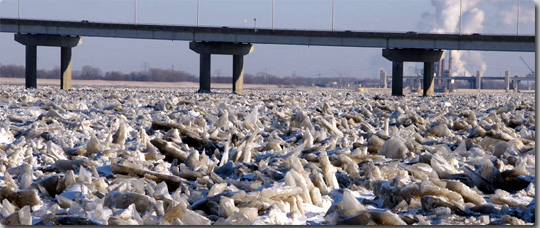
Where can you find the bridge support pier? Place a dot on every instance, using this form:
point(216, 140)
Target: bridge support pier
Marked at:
point(383, 78)
point(64, 42)
point(204, 71)
point(31, 66)
point(206, 49)
point(429, 87)
point(238, 74)
point(398, 56)
point(449, 84)
point(478, 80)
point(515, 83)
point(507, 81)
point(397, 78)
point(65, 68)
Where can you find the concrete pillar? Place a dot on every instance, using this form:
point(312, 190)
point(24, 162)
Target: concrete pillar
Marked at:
point(65, 68)
point(516, 84)
point(204, 73)
point(439, 68)
point(397, 78)
point(429, 87)
point(398, 56)
point(442, 74)
point(238, 74)
point(31, 66)
point(507, 81)
point(383, 79)
point(478, 80)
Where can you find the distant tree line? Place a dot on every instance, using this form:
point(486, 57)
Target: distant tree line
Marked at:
point(94, 73)
point(169, 75)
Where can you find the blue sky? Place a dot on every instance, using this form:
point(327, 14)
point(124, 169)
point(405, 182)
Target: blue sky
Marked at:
point(375, 15)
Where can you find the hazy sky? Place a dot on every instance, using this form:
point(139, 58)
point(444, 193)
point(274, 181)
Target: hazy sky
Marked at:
point(489, 16)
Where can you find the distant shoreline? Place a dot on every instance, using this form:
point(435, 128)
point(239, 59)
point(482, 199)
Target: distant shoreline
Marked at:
point(164, 85)
point(195, 85)
point(141, 84)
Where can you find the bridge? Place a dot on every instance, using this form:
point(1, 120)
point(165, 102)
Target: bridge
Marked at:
point(475, 82)
point(238, 42)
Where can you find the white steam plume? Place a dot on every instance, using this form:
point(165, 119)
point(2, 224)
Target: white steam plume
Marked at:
point(446, 20)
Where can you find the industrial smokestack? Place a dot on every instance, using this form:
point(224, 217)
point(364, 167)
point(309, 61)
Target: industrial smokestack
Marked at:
point(442, 68)
point(438, 72)
point(441, 73)
point(450, 64)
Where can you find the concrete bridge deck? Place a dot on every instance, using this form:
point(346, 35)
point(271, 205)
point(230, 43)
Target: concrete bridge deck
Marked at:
point(272, 36)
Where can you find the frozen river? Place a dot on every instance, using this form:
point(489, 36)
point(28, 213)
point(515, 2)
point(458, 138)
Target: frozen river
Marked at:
point(117, 156)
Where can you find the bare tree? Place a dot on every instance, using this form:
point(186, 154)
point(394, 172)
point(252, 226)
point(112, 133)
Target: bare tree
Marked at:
point(11, 71)
point(90, 72)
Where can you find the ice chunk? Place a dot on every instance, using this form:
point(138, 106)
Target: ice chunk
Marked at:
point(364, 218)
point(428, 188)
point(420, 171)
point(351, 206)
point(318, 181)
point(316, 197)
point(329, 171)
point(227, 207)
point(441, 166)
point(7, 208)
point(430, 203)
point(387, 218)
point(250, 213)
point(5, 135)
point(26, 197)
point(175, 212)
point(394, 148)
point(25, 216)
point(468, 194)
point(510, 220)
point(123, 199)
point(502, 197)
point(25, 179)
point(440, 130)
point(280, 192)
point(94, 146)
point(120, 136)
point(217, 188)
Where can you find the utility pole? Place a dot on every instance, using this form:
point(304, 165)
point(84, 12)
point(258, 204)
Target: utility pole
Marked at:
point(519, 1)
point(460, 15)
point(135, 8)
point(272, 14)
point(19, 9)
point(333, 12)
point(198, 9)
